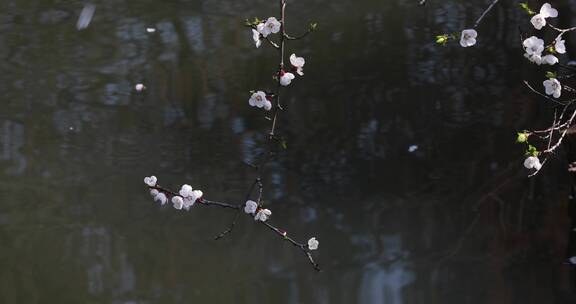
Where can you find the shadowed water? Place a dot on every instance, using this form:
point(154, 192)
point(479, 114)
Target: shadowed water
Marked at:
point(400, 157)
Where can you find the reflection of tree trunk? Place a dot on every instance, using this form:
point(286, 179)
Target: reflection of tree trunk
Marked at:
point(570, 147)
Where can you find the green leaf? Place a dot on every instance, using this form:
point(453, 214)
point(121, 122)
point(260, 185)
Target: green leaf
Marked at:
point(532, 151)
point(522, 137)
point(253, 22)
point(442, 39)
point(551, 75)
point(313, 26)
point(526, 8)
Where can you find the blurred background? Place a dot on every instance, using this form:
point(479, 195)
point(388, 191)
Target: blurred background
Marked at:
point(400, 156)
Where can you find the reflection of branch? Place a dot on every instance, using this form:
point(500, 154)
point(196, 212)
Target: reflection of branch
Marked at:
point(303, 247)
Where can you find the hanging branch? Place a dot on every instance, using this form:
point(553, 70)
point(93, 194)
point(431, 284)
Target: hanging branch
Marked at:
point(186, 198)
point(541, 54)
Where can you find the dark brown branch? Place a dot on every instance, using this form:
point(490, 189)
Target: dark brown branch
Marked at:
point(239, 208)
point(230, 228)
point(302, 247)
point(266, 157)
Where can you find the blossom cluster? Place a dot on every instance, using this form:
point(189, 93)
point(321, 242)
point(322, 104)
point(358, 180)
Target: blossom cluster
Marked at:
point(262, 30)
point(260, 99)
point(185, 199)
point(534, 48)
point(260, 214)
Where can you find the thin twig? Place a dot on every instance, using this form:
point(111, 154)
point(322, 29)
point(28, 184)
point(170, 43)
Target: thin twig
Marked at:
point(545, 96)
point(302, 247)
point(486, 11)
point(550, 150)
point(278, 231)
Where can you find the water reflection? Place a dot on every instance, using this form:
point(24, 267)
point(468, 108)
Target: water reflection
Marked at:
point(454, 221)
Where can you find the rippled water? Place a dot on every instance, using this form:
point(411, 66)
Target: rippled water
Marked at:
point(400, 157)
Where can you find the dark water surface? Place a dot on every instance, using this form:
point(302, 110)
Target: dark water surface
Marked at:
point(455, 221)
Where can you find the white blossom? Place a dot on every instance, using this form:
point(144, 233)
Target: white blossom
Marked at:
point(532, 162)
point(550, 59)
point(258, 99)
point(150, 30)
point(468, 37)
point(250, 207)
point(178, 202)
point(150, 180)
point(553, 87)
point(139, 87)
point(537, 59)
point(161, 198)
point(185, 190)
point(572, 260)
point(538, 21)
point(533, 46)
point(263, 215)
point(154, 192)
point(286, 78)
point(256, 38)
point(547, 11)
point(313, 244)
point(260, 29)
point(298, 63)
point(191, 200)
point(560, 45)
point(271, 26)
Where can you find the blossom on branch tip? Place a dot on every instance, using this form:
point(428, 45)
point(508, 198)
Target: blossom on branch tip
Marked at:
point(313, 244)
point(298, 63)
point(250, 207)
point(550, 59)
point(161, 198)
point(286, 78)
point(548, 11)
point(271, 26)
point(553, 87)
point(178, 202)
point(256, 38)
point(538, 21)
point(532, 162)
point(150, 180)
point(262, 215)
point(468, 37)
point(259, 100)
